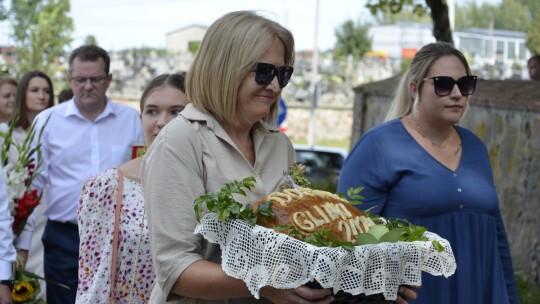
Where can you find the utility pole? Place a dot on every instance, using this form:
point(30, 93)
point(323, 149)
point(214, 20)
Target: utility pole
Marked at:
point(314, 79)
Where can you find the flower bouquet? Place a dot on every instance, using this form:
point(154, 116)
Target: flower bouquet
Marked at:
point(19, 172)
point(367, 267)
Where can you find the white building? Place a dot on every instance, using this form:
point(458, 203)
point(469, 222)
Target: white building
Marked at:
point(483, 47)
point(395, 38)
point(494, 46)
point(185, 39)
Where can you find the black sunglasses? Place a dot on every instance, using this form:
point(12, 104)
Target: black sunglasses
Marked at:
point(265, 73)
point(445, 84)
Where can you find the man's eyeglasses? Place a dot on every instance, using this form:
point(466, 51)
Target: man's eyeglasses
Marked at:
point(445, 84)
point(265, 73)
point(94, 80)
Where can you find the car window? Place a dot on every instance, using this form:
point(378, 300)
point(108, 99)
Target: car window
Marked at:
point(320, 159)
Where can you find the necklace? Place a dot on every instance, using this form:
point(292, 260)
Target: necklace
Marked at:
point(457, 150)
point(416, 127)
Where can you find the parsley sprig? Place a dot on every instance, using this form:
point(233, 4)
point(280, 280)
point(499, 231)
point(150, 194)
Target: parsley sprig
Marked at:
point(227, 208)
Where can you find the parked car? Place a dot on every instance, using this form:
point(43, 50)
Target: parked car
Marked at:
point(323, 164)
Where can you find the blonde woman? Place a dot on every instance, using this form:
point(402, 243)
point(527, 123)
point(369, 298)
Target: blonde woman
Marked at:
point(226, 133)
point(421, 166)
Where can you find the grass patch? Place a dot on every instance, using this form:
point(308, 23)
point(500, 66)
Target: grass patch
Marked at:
point(528, 292)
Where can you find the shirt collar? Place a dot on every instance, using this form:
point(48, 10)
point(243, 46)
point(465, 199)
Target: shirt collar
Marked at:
point(73, 110)
point(194, 114)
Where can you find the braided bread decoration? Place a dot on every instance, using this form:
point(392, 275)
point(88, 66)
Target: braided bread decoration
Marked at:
point(310, 210)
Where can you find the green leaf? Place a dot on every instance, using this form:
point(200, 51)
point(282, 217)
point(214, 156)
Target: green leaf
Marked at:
point(224, 204)
point(265, 209)
point(365, 239)
point(393, 235)
point(438, 246)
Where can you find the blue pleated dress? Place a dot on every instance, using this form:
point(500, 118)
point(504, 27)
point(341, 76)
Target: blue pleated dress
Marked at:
point(404, 181)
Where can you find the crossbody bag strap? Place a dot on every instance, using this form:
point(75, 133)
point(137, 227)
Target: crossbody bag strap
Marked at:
point(115, 233)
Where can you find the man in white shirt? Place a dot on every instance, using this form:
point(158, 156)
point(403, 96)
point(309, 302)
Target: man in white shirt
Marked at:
point(7, 251)
point(83, 137)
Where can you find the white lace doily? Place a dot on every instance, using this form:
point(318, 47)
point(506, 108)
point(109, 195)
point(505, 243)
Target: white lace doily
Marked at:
point(260, 256)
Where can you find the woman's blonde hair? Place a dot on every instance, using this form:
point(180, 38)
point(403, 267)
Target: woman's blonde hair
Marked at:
point(228, 53)
point(403, 102)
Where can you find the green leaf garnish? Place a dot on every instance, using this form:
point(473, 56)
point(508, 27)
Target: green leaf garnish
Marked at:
point(366, 239)
point(296, 172)
point(227, 208)
point(353, 195)
point(224, 204)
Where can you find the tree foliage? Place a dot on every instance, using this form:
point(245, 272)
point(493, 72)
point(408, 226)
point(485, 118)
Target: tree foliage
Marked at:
point(351, 39)
point(41, 30)
point(533, 35)
point(438, 10)
point(3, 11)
point(90, 40)
point(532, 5)
point(509, 15)
point(407, 14)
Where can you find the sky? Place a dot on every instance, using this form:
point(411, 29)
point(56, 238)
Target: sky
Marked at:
point(120, 24)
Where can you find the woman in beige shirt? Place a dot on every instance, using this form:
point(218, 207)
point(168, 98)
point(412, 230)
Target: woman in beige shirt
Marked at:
point(225, 134)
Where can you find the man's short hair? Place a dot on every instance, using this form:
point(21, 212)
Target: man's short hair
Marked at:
point(90, 53)
point(534, 58)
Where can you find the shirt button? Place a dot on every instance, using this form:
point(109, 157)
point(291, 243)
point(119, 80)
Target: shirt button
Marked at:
point(458, 189)
point(455, 175)
point(460, 206)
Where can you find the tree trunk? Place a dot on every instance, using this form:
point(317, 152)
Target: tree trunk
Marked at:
point(441, 22)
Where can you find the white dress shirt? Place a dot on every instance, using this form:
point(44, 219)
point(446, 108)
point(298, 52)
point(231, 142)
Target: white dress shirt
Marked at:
point(75, 149)
point(7, 251)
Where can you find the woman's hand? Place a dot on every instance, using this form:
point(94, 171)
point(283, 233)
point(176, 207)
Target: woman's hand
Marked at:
point(300, 295)
point(405, 294)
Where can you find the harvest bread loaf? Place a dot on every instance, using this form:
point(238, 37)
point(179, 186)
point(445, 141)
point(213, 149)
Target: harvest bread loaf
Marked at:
point(311, 210)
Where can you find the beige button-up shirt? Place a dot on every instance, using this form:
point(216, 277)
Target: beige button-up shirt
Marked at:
point(191, 156)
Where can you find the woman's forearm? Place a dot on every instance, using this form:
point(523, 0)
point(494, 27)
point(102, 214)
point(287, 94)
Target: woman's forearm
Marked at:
point(207, 280)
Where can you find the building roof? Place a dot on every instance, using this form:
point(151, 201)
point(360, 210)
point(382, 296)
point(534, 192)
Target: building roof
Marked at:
point(203, 27)
point(493, 32)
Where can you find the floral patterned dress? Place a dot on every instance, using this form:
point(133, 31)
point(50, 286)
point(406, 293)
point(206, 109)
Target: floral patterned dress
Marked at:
point(96, 224)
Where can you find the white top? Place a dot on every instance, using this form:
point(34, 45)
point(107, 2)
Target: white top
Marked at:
point(7, 251)
point(96, 227)
point(75, 149)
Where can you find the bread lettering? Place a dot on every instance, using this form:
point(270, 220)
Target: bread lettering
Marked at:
point(311, 210)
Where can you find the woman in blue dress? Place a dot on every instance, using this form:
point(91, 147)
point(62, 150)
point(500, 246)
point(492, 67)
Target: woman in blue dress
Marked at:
point(419, 165)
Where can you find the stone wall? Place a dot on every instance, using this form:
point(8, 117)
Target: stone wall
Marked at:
point(332, 123)
point(506, 116)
